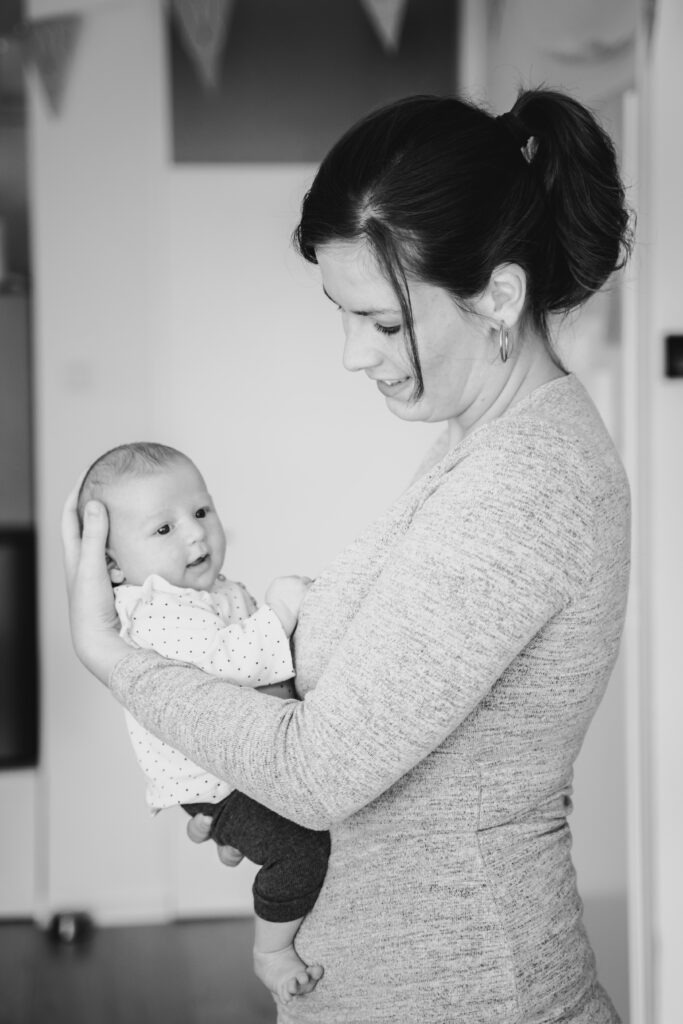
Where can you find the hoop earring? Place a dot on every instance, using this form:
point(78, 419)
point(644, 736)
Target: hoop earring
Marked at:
point(503, 342)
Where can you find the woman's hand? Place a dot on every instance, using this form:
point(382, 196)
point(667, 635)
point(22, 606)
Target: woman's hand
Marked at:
point(229, 856)
point(199, 830)
point(94, 624)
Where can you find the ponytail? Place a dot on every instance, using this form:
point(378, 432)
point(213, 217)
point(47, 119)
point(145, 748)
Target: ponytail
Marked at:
point(584, 233)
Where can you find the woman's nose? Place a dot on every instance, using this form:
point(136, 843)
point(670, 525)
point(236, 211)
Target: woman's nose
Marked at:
point(360, 350)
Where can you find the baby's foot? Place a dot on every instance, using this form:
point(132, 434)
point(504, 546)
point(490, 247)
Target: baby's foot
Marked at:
point(285, 974)
point(199, 827)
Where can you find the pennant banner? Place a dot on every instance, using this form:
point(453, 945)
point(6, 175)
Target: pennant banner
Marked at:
point(49, 45)
point(387, 19)
point(41, 9)
point(204, 28)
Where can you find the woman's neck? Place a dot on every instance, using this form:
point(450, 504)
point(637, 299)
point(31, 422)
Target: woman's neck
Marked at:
point(507, 385)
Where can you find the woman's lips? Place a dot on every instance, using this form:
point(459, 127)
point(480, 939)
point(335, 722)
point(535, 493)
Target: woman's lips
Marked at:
point(389, 388)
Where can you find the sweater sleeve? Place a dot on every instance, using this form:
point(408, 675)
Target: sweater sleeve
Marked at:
point(489, 558)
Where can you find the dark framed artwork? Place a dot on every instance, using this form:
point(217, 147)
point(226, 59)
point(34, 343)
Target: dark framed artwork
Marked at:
point(295, 74)
point(18, 649)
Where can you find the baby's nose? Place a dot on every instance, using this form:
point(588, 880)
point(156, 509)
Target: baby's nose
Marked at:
point(195, 530)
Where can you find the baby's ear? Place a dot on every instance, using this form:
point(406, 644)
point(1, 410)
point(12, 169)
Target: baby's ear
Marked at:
point(115, 574)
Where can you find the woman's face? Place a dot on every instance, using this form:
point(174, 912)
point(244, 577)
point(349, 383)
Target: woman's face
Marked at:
point(455, 349)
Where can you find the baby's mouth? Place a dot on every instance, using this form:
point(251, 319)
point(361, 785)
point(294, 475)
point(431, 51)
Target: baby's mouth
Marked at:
point(198, 561)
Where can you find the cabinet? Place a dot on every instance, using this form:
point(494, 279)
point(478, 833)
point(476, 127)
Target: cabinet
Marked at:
point(18, 635)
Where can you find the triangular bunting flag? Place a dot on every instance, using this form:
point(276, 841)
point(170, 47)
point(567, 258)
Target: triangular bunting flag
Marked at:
point(387, 19)
point(49, 44)
point(204, 25)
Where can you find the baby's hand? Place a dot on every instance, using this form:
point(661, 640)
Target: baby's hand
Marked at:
point(284, 595)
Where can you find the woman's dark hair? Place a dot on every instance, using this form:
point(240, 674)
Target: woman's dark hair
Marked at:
point(444, 192)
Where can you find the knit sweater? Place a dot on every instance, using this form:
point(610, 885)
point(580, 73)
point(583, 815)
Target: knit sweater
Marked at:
point(450, 661)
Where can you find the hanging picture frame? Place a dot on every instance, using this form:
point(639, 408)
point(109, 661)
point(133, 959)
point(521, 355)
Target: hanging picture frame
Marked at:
point(294, 74)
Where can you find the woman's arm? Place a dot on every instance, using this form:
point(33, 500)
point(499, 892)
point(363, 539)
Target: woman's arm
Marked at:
point(480, 570)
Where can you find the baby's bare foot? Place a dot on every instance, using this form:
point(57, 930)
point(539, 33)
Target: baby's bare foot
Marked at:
point(285, 973)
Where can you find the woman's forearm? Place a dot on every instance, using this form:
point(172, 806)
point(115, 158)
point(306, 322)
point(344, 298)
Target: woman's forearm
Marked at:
point(102, 658)
point(234, 732)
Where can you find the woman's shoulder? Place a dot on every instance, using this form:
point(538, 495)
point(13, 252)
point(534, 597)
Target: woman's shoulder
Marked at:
point(555, 432)
point(549, 465)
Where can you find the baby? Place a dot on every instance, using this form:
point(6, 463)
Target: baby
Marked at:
point(165, 553)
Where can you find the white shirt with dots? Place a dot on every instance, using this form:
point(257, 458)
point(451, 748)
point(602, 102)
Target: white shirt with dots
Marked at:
point(221, 631)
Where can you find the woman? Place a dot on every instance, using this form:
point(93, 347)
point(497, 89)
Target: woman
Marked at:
point(450, 659)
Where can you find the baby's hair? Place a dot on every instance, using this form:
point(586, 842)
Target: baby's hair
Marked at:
point(135, 459)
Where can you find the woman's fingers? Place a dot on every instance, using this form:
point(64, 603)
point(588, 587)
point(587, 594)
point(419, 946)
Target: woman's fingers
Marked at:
point(199, 828)
point(94, 622)
point(91, 600)
point(92, 562)
point(229, 856)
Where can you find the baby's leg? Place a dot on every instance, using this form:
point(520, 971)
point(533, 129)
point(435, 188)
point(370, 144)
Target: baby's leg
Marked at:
point(293, 865)
point(276, 962)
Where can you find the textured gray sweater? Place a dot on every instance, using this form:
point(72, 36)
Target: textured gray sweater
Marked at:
point(451, 660)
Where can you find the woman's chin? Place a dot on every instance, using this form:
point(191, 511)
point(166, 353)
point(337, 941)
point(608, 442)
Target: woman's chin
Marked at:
point(406, 409)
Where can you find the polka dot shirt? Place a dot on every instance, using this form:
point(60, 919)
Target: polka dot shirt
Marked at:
point(221, 631)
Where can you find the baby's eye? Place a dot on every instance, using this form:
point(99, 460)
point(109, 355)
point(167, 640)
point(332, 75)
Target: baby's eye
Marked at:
point(163, 530)
point(202, 513)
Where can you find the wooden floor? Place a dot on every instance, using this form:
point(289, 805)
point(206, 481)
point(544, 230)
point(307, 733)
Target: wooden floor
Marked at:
point(187, 973)
point(195, 972)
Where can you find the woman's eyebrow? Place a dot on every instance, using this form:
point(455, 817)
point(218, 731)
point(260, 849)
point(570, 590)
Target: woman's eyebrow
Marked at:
point(364, 312)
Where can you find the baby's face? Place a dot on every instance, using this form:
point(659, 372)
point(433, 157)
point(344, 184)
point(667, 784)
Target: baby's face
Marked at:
point(164, 523)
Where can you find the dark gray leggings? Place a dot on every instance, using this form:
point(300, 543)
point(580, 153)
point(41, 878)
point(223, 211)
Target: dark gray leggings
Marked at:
point(293, 858)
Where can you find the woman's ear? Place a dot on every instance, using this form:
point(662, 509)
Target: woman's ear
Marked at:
point(505, 293)
point(115, 574)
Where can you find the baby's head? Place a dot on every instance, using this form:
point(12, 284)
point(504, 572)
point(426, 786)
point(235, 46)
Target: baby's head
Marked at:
point(162, 520)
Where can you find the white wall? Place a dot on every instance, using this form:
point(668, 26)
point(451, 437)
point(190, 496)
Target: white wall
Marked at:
point(169, 305)
point(661, 233)
point(94, 232)
point(17, 843)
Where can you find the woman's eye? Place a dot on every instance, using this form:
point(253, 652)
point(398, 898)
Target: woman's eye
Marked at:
point(388, 330)
point(163, 530)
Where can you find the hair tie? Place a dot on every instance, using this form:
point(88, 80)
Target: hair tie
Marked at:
point(515, 127)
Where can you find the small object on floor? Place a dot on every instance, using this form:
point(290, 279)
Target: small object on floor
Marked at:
point(70, 928)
